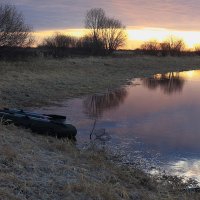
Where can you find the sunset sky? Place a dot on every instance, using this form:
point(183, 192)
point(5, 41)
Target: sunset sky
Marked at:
point(144, 19)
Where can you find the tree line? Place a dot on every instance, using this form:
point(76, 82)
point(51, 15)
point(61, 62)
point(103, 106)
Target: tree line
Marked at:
point(171, 46)
point(104, 35)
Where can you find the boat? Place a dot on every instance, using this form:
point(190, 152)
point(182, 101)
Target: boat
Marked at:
point(52, 125)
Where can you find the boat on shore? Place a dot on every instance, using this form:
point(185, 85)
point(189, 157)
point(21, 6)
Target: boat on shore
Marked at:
point(52, 125)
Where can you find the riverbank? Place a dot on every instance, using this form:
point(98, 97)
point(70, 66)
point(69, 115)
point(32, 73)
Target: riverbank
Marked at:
point(39, 167)
point(43, 81)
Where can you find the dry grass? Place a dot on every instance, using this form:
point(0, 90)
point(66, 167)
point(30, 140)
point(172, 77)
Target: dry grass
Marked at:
point(39, 167)
point(41, 81)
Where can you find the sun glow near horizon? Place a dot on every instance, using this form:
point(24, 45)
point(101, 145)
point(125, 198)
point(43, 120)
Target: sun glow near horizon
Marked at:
point(136, 36)
point(191, 38)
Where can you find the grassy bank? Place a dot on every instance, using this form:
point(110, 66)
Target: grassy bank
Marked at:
point(39, 82)
point(39, 167)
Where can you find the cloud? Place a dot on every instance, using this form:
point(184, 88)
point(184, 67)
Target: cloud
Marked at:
point(51, 14)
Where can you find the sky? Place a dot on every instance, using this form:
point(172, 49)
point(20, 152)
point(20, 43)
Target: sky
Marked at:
point(151, 17)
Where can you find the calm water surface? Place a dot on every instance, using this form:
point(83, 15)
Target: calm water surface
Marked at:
point(154, 121)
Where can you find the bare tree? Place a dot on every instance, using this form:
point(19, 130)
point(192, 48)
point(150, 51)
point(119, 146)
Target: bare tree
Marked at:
point(13, 30)
point(104, 30)
point(113, 34)
point(94, 21)
point(152, 47)
point(59, 40)
point(172, 46)
point(59, 45)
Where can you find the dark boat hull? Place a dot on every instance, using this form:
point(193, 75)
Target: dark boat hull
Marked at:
point(52, 125)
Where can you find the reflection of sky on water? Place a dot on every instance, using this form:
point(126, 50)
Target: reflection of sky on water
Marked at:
point(157, 117)
point(187, 168)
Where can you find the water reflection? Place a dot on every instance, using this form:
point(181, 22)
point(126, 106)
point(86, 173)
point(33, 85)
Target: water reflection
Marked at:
point(187, 168)
point(95, 105)
point(167, 124)
point(142, 118)
point(169, 83)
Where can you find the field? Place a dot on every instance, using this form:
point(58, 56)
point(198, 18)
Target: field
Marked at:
point(39, 167)
point(43, 81)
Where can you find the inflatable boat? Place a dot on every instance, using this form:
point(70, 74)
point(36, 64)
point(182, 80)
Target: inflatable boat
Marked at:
point(53, 125)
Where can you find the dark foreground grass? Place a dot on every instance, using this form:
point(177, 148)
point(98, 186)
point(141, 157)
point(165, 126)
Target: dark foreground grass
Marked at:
point(41, 81)
point(39, 167)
